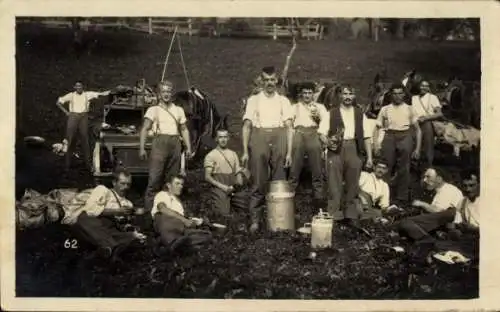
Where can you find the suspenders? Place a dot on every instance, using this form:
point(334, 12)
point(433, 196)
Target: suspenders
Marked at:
point(73, 101)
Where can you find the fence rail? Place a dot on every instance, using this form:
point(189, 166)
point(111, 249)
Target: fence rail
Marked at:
point(189, 27)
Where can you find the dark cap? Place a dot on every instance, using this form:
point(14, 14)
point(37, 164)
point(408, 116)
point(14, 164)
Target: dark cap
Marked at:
point(269, 70)
point(380, 161)
point(396, 85)
point(306, 86)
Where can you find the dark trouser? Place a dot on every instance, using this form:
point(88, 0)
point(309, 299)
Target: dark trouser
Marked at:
point(220, 201)
point(164, 162)
point(170, 229)
point(367, 208)
point(306, 142)
point(100, 231)
point(427, 154)
point(419, 226)
point(268, 150)
point(78, 123)
point(343, 167)
point(397, 148)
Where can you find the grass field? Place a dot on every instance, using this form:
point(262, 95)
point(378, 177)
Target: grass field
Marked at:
point(237, 266)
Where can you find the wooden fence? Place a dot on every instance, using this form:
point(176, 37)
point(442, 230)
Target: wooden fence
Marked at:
point(187, 26)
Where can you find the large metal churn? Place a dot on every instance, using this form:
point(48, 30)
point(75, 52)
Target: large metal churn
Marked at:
point(280, 206)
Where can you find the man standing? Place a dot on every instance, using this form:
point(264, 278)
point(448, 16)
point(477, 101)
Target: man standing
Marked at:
point(167, 121)
point(444, 209)
point(78, 121)
point(91, 214)
point(397, 146)
point(344, 133)
point(427, 108)
point(268, 119)
point(306, 141)
point(224, 173)
point(175, 230)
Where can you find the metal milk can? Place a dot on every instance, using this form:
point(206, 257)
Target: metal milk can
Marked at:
point(280, 206)
point(321, 230)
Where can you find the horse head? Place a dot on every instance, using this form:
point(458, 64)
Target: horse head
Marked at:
point(411, 80)
point(328, 94)
point(378, 94)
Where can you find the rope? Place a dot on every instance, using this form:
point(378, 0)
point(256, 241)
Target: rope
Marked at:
point(168, 54)
point(183, 64)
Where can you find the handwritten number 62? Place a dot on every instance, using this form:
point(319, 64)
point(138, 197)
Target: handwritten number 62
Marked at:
point(71, 244)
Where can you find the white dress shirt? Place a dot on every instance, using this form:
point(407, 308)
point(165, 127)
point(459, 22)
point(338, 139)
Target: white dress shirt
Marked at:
point(448, 196)
point(349, 127)
point(171, 201)
point(377, 188)
point(470, 212)
point(302, 114)
point(425, 105)
point(268, 112)
point(163, 121)
point(78, 103)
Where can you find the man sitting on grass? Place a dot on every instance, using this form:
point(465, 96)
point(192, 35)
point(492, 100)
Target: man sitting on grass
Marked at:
point(175, 230)
point(92, 214)
point(469, 209)
point(374, 193)
point(441, 213)
point(226, 176)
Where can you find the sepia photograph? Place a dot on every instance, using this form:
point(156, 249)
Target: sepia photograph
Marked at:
point(247, 157)
point(255, 158)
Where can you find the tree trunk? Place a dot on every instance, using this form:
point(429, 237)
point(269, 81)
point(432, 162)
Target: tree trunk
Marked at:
point(375, 28)
point(400, 28)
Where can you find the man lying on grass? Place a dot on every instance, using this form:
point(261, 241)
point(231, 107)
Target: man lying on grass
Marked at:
point(449, 209)
point(175, 230)
point(92, 215)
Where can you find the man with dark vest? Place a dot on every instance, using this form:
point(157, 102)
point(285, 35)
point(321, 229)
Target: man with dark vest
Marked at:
point(267, 133)
point(344, 133)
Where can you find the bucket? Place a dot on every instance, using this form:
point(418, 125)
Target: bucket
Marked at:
point(321, 230)
point(280, 206)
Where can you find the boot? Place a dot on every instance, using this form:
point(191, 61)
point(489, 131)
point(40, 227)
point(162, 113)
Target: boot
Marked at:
point(255, 214)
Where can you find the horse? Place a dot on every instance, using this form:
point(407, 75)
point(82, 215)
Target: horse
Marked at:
point(203, 120)
point(379, 91)
point(326, 92)
point(458, 133)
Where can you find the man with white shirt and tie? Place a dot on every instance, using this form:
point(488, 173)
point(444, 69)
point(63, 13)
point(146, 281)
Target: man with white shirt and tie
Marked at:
point(307, 116)
point(267, 134)
point(344, 133)
point(78, 121)
point(427, 108)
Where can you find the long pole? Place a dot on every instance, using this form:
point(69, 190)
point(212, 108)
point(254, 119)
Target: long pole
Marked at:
point(168, 54)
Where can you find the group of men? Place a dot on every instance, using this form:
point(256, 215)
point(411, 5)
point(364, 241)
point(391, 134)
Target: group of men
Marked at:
point(276, 137)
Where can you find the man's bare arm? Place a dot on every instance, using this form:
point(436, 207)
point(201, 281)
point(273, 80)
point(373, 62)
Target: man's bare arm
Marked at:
point(210, 179)
point(245, 134)
point(162, 207)
point(185, 136)
point(146, 126)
